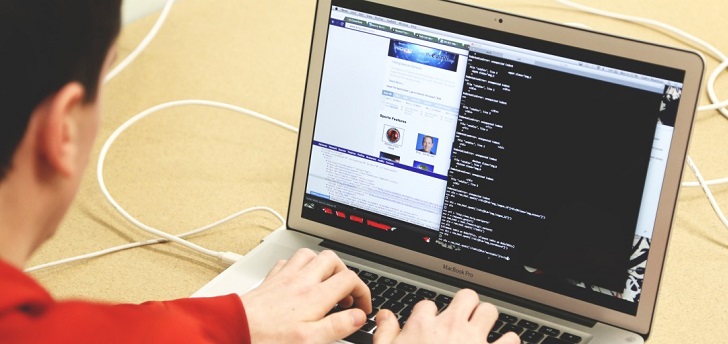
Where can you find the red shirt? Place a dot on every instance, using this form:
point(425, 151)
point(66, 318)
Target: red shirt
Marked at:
point(28, 314)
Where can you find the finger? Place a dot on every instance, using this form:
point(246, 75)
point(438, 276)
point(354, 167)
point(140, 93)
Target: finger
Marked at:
point(387, 327)
point(485, 315)
point(346, 302)
point(463, 304)
point(339, 325)
point(424, 307)
point(298, 260)
point(325, 265)
point(508, 338)
point(347, 283)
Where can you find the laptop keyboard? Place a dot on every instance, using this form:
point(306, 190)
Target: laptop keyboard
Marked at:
point(400, 298)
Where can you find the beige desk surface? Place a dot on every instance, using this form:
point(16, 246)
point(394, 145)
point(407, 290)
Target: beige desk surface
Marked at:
point(186, 167)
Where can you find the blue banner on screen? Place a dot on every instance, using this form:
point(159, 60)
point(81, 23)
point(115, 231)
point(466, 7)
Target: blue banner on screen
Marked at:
point(423, 55)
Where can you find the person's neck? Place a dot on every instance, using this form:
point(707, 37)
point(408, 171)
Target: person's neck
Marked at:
point(15, 238)
point(26, 218)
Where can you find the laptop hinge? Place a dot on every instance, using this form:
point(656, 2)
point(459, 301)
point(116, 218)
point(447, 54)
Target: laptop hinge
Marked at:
point(460, 283)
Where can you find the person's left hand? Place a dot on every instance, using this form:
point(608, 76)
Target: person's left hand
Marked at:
point(291, 304)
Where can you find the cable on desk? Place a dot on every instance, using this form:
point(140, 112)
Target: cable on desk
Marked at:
point(228, 258)
point(708, 193)
point(143, 44)
point(717, 105)
point(132, 121)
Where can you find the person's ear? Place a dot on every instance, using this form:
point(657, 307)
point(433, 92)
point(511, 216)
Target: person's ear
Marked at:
point(58, 141)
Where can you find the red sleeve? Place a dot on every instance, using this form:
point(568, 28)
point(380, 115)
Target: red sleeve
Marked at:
point(194, 320)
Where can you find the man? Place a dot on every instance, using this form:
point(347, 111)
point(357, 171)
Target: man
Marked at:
point(52, 56)
point(427, 144)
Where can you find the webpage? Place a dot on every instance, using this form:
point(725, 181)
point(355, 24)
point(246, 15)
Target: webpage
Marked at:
point(396, 133)
point(473, 143)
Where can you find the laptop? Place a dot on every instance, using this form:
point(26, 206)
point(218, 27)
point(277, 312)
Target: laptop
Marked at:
point(445, 146)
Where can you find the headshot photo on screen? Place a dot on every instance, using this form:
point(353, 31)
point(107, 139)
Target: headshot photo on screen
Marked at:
point(427, 144)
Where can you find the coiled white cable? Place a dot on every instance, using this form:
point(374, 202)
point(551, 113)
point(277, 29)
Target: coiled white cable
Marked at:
point(132, 121)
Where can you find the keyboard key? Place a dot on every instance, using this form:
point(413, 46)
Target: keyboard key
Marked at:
point(369, 326)
point(406, 311)
point(554, 340)
point(549, 331)
point(493, 336)
point(444, 299)
point(440, 305)
point(376, 288)
point(393, 306)
point(428, 294)
point(497, 325)
point(377, 301)
point(387, 281)
point(402, 320)
point(530, 325)
point(373, 314)
point(507, 318)
point(511, 328)
point(394, 294)
point(360, 337)
point(412, 299)
point(532, 336)
point(406, 287)
point(570, 337)
point(368, 276)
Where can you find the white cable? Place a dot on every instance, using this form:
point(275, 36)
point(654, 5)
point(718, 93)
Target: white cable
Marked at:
point(130, 122)
point(154, 241)
point(143, 44)
point(707, 182)
point(708, 193)
point(717, 105)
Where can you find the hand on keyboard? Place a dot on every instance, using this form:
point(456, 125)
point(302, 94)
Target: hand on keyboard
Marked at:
point(465, 320)
point(292, 303)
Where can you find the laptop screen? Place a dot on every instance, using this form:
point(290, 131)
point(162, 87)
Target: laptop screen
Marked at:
point(534, 161)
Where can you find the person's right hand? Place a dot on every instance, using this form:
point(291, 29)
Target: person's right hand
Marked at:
point(465, 320)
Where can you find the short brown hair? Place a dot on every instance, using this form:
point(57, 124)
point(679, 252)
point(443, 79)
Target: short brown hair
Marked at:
point(45, 44)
